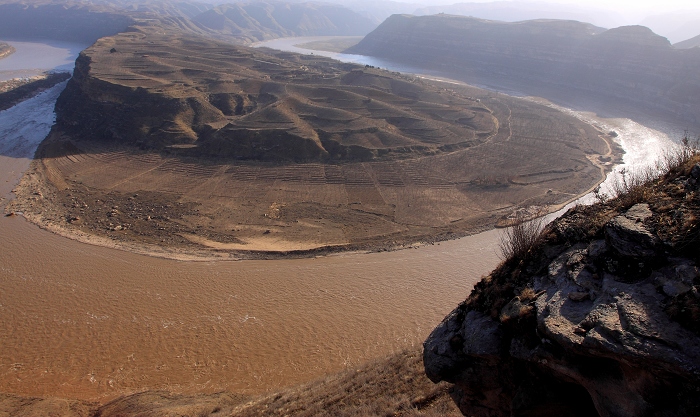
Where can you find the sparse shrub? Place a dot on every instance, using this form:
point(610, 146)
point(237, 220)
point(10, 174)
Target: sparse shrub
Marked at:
point(519, 238)
point(599, 195)
point(527, 294)
point(630, 188)
point(679, 156)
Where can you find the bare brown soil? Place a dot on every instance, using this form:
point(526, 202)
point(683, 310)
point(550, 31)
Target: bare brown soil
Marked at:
point(130, 197)
point(436, 161)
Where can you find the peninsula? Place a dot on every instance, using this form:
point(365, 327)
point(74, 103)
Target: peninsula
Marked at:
point(169, 139)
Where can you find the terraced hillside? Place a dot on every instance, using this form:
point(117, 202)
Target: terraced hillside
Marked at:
point(191, 144)
point(198, 97)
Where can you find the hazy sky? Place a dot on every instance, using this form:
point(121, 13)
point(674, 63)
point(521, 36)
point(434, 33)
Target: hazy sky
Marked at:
point(636, 4)
point(629, 5)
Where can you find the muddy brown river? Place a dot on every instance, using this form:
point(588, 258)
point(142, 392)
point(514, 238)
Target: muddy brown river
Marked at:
point(90, 322)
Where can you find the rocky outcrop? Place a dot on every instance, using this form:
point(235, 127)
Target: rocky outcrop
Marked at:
point(600, 317)
point(550, 58)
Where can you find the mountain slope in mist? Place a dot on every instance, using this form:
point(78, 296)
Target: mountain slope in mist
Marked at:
point(265, 20)
point(687, 44)
point(510, 11)
point(73, 22)
point(677, 26)
point(568, 61)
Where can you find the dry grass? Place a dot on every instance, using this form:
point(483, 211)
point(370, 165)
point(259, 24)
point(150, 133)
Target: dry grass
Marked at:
point(630, 188)
point(518, 239)
point(673, 195)
point(395, 386)
point(161, 404)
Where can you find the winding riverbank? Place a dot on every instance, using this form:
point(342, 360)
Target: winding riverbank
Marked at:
point(90, 322)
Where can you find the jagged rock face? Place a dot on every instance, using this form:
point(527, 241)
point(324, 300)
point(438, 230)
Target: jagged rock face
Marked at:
point(597, 330)
point(198, 97)
point(629, 63)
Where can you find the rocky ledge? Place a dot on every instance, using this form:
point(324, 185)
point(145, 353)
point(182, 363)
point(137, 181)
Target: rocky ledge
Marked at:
point(601, 316)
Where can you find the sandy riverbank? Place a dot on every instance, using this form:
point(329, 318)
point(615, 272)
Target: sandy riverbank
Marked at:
point(6, 50)
point(537, 160)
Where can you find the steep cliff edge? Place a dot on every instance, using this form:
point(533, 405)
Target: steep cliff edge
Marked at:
point(147, 89)
point(599, 317)
point(569, 61)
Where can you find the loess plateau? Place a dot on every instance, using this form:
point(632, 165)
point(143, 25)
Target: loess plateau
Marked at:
point(165, 139)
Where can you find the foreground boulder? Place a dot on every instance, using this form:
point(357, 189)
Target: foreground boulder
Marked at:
point(600, 317)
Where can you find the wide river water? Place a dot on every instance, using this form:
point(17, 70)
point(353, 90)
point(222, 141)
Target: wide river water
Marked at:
point(33, 58)
point(90, 322)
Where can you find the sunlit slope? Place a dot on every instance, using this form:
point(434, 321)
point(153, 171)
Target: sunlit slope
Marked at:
point(205, 145)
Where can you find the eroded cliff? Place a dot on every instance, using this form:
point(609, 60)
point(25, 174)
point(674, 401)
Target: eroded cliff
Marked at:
point(198, 97)
point(599, 317)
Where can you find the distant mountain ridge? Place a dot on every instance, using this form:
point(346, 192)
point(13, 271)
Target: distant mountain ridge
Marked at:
point(240, 22)
point(72, 21)
point(689, 43)
point(510, 11)
point(261, 20)
point(630, 63)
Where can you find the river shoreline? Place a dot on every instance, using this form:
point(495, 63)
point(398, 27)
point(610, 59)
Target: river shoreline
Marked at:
point(86, 321)
point(33, 58)
point(44, 213)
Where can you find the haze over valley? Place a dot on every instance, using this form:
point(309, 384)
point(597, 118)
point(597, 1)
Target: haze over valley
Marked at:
point(265, 208)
